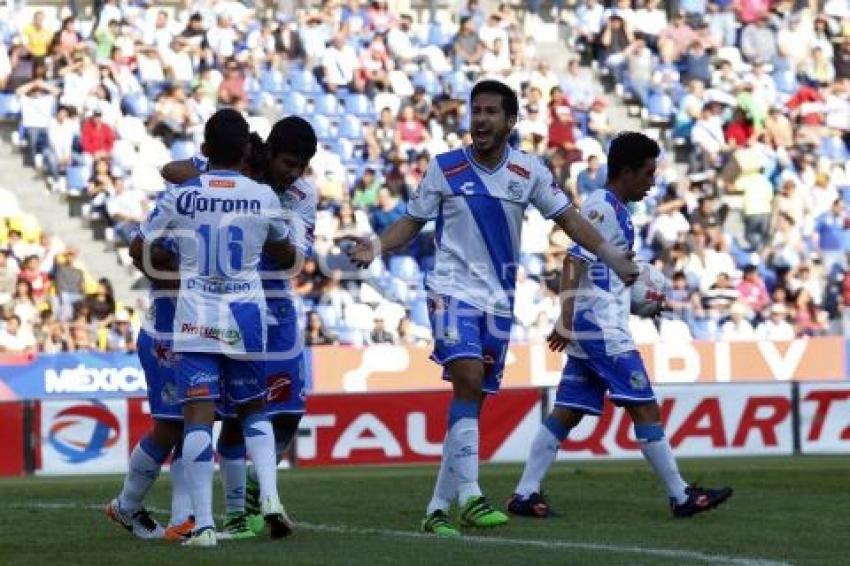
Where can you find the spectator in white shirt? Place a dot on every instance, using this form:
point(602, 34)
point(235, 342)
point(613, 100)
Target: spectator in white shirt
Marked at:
point(127, 208)
point(339, 64)
point(37, 99)
point(60, 144)
point(737, 328)
point(13, 338)
point(777, 326)
point(400, 41)
point(223, 37)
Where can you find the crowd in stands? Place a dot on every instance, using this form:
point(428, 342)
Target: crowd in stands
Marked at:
point(753, 95)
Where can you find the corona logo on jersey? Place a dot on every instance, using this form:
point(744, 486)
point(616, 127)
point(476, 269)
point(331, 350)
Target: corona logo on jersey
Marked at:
point(190, 202)
point(84, 432)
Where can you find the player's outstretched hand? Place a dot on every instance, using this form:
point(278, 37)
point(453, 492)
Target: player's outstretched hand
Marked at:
point(558, 338)
point(361, 251)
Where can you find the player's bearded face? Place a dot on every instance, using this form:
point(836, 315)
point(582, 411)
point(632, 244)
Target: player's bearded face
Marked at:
point(643, 179)
point(490, 125)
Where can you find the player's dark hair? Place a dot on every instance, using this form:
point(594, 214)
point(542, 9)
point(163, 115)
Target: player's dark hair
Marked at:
point(510, 103)
point(630, 150)
point(256, 162)
point(292, 136)
point(226, 138)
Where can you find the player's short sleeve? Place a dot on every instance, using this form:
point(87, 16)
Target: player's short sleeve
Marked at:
point(604, 219)
point(280, 222)
point(424, 203)
point(161, 218)
point(200, 162)
point(303, 221)
point(547, 195)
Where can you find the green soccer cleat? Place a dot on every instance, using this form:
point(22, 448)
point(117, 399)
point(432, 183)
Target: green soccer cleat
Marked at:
point(477, 512)
point(438, 523)
point(236, 527)
point(256, 523)
point(252, 505)
point(252, 496)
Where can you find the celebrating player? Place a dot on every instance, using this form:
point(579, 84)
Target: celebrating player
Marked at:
point(157, 359)
point(478, 196)
point(594, 329)
point(221, 223)
point(280, 163)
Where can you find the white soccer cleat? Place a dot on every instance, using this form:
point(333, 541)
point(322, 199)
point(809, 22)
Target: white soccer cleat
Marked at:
point(140, 523)
point(204, 538)
point(280, 525)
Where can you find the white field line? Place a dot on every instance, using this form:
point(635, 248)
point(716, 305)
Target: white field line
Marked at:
point(676, 554)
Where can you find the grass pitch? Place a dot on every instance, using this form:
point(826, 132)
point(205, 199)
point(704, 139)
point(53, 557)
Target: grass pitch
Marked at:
point(785, 510)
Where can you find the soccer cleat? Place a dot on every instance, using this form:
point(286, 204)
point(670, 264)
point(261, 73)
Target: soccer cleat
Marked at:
point(252, 505)
point(438, 523)
point(477, 512)
point(256, 523)
point(140, 523)
point(699, 500)
point(535, 505)
point(280, 525)
point(203, 538)
point(181, 531)
point(252, 496)
point(236, 527)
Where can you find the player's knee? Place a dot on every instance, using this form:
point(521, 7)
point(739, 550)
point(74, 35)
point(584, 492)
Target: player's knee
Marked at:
point(167, 433)
point(567, 418)
point(649, 432)
point(644, 413)
point(467, 376)
point(231, 432)
point(285, 428)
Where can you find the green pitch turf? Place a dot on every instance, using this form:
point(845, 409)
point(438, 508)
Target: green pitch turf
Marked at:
point(785, 510)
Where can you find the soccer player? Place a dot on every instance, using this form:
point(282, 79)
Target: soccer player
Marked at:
point(221, 223)
point(594, 329)
point(288, 150)
point(157, 359)
point(478, 196)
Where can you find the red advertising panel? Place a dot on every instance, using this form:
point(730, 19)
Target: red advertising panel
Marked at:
point(825, 418)
point(12, 439)
point(382, 428)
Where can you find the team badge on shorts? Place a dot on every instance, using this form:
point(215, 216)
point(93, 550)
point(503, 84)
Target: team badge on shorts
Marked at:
point(638, 380)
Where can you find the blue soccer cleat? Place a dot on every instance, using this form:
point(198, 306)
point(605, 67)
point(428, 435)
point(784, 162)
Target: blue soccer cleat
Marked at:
point(535, 505)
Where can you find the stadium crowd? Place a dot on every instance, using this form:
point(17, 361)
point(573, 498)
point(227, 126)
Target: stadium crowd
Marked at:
point(752, 230)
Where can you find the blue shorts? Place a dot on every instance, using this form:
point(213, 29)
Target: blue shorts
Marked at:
point(203, 376)
point(464, 331)
point(158, 362)
point(284, 369)
point(585, 381)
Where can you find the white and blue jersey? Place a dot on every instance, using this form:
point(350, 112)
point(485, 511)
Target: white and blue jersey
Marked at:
point(603, 356)
point(219, 222)
point(284, 367)
point(479, 215)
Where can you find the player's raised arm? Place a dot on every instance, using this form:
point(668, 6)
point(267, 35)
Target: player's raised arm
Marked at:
point(398, 235)
point(585, 234)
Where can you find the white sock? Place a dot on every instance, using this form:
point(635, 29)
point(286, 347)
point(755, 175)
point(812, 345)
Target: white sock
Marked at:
point(259, 443)
point(656, 449)
point(181, 502)
point(445, 488)
point(463, 448)
point(232, 468)
point(198, 465)
point(544, 449)
point(145, 463)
